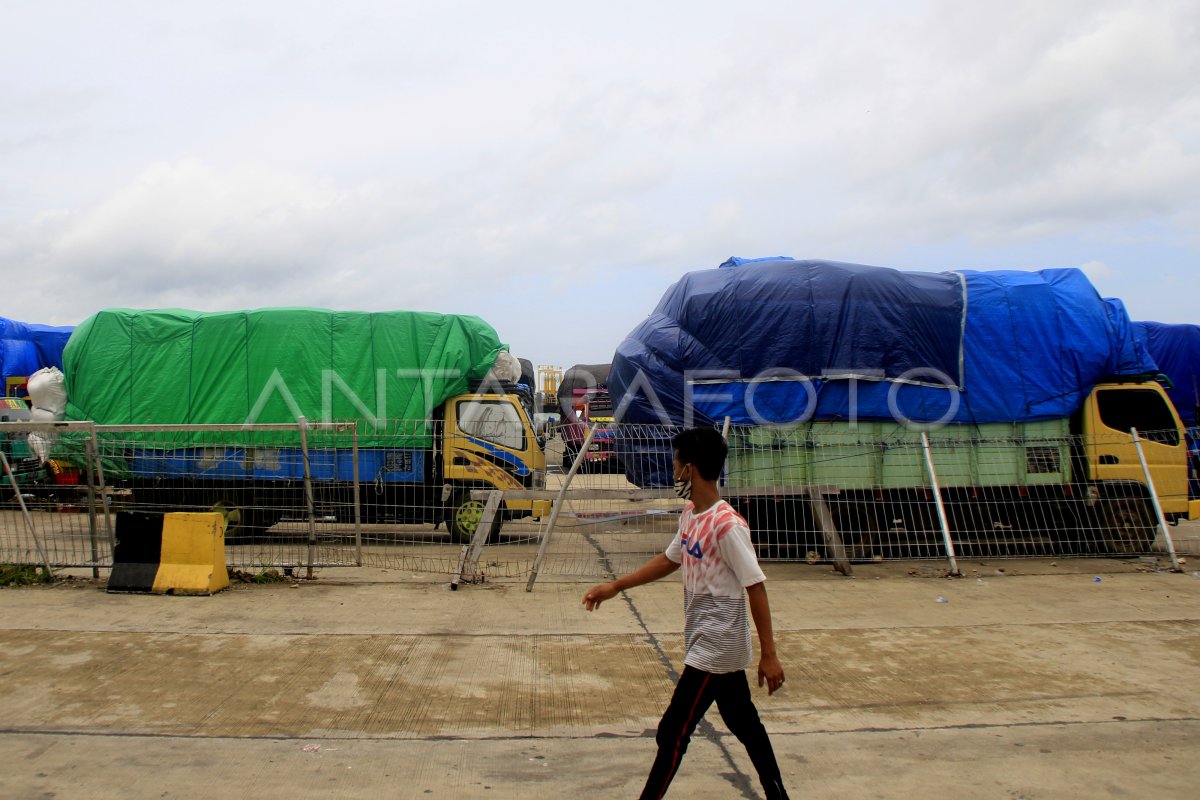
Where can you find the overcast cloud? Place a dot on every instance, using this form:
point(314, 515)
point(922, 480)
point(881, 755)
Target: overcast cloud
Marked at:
point(553, 168)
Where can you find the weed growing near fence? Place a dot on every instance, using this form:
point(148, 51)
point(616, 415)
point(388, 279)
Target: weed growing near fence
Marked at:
point(23, 575)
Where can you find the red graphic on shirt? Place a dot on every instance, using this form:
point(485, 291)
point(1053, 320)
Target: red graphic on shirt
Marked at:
point(700, 536)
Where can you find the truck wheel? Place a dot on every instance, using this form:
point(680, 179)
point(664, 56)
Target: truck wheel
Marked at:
point(859, 529)
point(463, 516)
point(245, 525)
point(1127, 525)
point(235, 519)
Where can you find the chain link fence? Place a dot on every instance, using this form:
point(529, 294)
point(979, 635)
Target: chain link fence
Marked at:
point(424, 498)
point(53, 500)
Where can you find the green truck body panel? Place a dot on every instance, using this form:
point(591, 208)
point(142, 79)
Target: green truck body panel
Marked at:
point(888, 456)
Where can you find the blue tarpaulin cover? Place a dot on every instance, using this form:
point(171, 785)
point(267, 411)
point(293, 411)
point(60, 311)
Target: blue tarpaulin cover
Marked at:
point(1176, 351)
point(778, 340)
point(25, 347)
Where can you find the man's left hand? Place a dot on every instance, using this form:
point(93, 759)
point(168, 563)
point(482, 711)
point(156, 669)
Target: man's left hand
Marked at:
point(770, 671)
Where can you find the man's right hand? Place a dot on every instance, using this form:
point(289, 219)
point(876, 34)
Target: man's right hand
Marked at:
point(658, 567)
point(598, 594)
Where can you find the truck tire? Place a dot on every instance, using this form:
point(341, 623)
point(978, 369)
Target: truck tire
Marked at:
point(463, 514)
point(860, 530)
point(1127, 525)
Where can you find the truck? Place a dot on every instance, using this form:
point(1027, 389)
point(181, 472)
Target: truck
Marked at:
point(828, 375)
point(433, 424)
point(25, 349)
point(592, 408)
point(583, 400)
point(39, 398)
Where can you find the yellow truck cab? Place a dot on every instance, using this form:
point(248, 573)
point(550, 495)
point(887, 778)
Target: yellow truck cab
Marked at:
point(1108, 415)
point(489, 443)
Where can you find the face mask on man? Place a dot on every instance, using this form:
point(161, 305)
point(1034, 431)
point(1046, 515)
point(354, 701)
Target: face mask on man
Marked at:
point(683, 489)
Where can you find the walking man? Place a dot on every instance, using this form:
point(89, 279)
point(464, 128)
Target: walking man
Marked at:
point(720, 571)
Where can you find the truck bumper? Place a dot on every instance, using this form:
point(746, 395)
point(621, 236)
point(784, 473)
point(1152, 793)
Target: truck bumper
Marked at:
point(529, 508)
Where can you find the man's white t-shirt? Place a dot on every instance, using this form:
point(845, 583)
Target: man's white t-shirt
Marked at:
point(716, 557)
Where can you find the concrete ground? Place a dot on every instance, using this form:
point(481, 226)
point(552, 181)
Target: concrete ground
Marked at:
point(1037, 682)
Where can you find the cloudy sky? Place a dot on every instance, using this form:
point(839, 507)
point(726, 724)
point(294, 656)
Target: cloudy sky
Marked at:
point(553, 167)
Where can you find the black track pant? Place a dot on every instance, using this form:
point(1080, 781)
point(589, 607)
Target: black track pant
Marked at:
point(694, 693)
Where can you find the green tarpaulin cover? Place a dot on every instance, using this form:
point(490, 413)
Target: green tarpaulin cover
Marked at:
point(125, 366)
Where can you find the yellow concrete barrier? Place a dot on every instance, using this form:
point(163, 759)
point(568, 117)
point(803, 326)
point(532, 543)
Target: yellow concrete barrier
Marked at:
point(176, 553)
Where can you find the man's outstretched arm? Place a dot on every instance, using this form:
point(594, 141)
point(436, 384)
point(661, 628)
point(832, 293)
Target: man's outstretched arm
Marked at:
point(658, 567)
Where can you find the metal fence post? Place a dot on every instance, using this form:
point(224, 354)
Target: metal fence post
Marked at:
point(358, 558)
point(468, 567)
point(37, 540)
point(302, 424)
point(1162, 520)
point(89, 458)
point(108, 526)
point(725, 436)
point(558, 504)
point(941, 508)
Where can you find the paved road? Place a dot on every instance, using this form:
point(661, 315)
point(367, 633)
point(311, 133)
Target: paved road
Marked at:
point(1036, 684)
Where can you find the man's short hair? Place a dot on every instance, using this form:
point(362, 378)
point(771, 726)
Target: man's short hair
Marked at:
point(704, 449)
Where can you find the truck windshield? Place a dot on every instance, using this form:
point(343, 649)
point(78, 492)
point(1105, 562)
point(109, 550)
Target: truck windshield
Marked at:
point(1122, 409)
point(493, 421)
point(600, 407)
